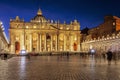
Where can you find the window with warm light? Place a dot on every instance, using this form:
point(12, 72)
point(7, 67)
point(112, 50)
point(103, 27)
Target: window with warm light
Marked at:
point(75, 39)
point(34, 26)
point(26, 26)
point(61, 27)
point(67, 28)
point(42, 26)
point(75, 27)
point(113, 23)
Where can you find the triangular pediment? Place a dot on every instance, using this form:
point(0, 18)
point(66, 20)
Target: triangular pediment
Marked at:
point(53, 27)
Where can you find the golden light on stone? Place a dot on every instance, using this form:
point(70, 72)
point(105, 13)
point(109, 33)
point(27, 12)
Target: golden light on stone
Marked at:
point(61, 27)
point(17, 38)
point(35, 37)
point(67, 28)
point(34, 26)
point(91, 46)
point(26, 26)
point(75, 39)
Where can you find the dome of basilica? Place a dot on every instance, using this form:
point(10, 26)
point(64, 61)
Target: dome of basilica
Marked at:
point(39, 17)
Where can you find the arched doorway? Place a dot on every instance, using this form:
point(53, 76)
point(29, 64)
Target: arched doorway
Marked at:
point(75, 47)
point(17, 47)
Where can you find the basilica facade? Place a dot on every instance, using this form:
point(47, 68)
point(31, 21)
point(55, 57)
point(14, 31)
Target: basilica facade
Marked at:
point(43, 35)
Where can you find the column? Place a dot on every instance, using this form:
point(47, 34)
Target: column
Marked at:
point(40, 42)
point(56, 43)
point(22, 45)
point(51, 43)
point(45, 42)
point(64, 43)
point(30, 42)
point(70, 48)
point(78, 38)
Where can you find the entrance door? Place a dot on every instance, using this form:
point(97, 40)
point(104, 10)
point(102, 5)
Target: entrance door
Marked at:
point(17, 47)
point(75, 47)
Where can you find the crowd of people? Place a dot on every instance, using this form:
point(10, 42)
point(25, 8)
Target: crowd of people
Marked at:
point(108, 56)
point(99, 56)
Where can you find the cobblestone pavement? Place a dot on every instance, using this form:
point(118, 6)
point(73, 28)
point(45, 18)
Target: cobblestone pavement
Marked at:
point(58, 68)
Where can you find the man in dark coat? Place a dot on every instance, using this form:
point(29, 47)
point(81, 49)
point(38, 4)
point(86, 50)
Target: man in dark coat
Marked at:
point(109, 57)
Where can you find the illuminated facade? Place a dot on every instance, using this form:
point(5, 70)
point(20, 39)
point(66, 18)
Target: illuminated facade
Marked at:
point(3, 40)
point(42, 35)
point(104, 37)
point(103, 44)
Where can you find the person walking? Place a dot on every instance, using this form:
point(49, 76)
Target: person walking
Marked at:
point(109, 57)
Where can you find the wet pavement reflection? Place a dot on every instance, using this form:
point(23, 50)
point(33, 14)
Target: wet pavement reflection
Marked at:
point(58, 68)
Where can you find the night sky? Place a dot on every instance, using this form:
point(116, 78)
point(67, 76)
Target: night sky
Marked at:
point(89, 13)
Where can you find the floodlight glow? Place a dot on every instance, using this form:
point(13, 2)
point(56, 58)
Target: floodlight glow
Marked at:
point(23, 52)
point(92, 51)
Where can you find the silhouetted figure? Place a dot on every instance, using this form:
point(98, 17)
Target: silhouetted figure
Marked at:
point(67, 55)
point(109, 57)
point(5, 56)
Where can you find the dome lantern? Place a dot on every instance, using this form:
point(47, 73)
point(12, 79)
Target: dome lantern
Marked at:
point(39, 12)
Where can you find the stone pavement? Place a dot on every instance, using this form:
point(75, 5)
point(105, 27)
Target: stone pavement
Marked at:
point(58, 68)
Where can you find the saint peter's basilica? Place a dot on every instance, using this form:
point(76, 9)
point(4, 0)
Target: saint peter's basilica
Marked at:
point(43, 35)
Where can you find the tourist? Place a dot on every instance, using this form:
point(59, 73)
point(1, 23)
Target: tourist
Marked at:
point(109, 57)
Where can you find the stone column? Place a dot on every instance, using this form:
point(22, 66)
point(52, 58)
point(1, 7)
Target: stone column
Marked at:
point(56, 43)
point(45, 42)
point(64, 43)
point(51, 43)
point(30, 42)
point(22, 45)
point(40, 42)
point(78, 38)
point(70, 48)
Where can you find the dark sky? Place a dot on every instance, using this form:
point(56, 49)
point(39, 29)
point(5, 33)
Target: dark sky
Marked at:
point(89, 13)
